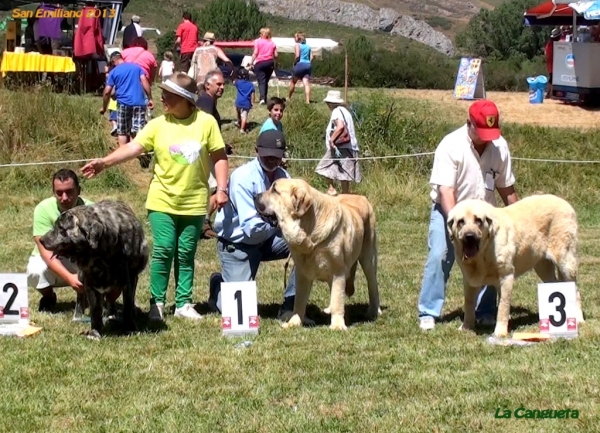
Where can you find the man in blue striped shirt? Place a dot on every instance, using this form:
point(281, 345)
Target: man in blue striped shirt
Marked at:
point(244, 238)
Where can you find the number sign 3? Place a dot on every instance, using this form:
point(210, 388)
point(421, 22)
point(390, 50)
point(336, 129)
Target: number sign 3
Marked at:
point(14, 300)
point(558, 309)
point(239, 308)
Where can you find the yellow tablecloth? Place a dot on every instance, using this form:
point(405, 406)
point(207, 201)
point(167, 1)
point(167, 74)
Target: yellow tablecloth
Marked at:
point(26, 62)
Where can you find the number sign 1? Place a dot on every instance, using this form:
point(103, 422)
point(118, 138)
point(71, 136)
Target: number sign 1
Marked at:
point(239, 308)
point(14, 300)
point(558, 309)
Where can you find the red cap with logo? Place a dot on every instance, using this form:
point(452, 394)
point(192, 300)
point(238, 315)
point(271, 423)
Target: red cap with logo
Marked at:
point(485, 118)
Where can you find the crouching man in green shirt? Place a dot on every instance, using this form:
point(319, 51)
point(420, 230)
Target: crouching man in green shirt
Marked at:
point(45, 272)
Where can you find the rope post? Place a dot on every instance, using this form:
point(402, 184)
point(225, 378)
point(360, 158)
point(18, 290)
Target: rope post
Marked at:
point(345, 74)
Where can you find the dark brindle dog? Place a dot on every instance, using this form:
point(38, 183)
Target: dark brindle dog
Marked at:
point(107, 242)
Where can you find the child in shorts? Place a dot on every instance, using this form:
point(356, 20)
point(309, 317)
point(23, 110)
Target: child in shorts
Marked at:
point(112, 105)
point(244, 99)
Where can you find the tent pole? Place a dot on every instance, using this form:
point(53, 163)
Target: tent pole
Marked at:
point(345, 74)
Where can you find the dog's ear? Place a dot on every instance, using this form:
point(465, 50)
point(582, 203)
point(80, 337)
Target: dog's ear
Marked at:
point(94, 233)
point(301, 201)
point(490, 224)
point(450, 227)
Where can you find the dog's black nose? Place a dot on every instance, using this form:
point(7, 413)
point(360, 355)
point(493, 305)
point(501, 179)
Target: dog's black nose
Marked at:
point(470, 237)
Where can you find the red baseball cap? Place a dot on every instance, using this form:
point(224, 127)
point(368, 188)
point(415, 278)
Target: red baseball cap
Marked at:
point(485, 117)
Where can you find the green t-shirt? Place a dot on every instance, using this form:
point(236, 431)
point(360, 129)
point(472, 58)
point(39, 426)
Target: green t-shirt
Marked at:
point(182, 166)
point(45, 215)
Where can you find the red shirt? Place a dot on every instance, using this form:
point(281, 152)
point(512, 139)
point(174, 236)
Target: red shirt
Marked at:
point(549, 53)
point(188, 32)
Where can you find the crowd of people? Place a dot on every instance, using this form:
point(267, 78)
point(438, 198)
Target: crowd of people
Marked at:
point(191, 179)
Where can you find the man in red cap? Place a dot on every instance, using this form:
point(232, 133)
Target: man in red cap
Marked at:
point(470, 163)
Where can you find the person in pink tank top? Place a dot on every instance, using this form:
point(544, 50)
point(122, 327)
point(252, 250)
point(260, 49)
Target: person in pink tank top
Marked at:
point(263, 61)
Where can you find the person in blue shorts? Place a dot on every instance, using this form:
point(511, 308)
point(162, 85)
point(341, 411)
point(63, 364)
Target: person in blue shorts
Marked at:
point(302, 65)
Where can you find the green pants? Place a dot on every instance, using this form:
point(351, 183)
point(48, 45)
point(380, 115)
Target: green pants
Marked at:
point(175, 237)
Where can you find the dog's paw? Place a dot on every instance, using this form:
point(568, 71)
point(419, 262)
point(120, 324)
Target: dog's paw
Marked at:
point(501, 331)
point(294, 321)
point(92, 334)
point(327, 310)
point(337, 323)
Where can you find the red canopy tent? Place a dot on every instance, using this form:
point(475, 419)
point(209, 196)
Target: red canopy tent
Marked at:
point(550, 14)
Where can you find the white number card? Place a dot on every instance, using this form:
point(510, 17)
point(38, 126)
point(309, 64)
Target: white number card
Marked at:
point(239, 308)
point(14, 300)
point(558, 309)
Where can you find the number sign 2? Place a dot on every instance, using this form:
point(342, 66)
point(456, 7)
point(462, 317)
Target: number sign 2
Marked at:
point(558, 309)
point(239, 308)
point(14, 300)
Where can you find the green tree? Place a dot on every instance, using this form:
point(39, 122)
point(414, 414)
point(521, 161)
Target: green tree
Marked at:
point(231, 20)
point(501, 33)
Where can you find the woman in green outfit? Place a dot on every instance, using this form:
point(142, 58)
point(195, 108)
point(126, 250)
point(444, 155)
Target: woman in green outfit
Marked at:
point(184, 140)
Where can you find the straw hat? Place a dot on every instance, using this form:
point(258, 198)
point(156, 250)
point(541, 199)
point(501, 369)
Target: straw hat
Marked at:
point(334, 96)
point(181, 85)
point(209, 36)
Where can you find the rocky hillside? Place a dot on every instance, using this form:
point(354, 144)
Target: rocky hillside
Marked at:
point(360, 16)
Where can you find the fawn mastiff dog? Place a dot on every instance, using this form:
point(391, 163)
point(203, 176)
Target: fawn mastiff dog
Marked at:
point(494, 246)
point(106, 241)
point(327, 236)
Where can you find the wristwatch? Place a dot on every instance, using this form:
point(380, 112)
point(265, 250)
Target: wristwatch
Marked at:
point(224, 190)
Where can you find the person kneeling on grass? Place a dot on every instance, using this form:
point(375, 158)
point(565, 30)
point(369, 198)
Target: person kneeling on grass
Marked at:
point(244, 238)
point(45, 271)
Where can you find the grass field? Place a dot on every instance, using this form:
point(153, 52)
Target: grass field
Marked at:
point(379, 376)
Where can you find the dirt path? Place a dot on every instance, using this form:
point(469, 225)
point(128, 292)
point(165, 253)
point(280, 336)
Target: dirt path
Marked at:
point(514, 108)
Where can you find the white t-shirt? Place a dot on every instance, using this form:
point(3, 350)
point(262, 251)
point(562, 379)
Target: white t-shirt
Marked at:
point(344, 115)
point(458, 165)
point(167, 67)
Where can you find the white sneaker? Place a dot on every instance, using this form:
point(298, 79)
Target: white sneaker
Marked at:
point(426, 323)
point(188, 312)
point(157, 312)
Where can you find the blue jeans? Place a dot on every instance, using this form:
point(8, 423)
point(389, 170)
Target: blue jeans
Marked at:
point(239, 262)
point(437, 271)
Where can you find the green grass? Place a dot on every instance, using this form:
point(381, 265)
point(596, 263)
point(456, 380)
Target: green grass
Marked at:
point(380, 376)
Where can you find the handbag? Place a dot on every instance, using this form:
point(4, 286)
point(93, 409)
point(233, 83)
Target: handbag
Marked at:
point(344, 137)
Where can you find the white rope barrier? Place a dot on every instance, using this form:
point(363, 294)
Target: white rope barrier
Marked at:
point(364, 158)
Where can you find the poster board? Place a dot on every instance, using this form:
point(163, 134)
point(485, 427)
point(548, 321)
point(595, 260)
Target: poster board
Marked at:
point(469, 83)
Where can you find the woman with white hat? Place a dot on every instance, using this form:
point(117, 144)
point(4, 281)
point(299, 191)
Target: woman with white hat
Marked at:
point(184, 141)
point(340, 161)
point(205, 58)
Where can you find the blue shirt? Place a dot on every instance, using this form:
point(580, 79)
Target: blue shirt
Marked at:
point(245, 89)
point(238, 221)
point(304, 53)
point(270, 125)
point(127, 81)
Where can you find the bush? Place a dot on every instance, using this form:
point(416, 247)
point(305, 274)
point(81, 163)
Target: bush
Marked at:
point(501, 34)
point(370, 67)
point(232, 20)
point(166, 42)
point(439, 22)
